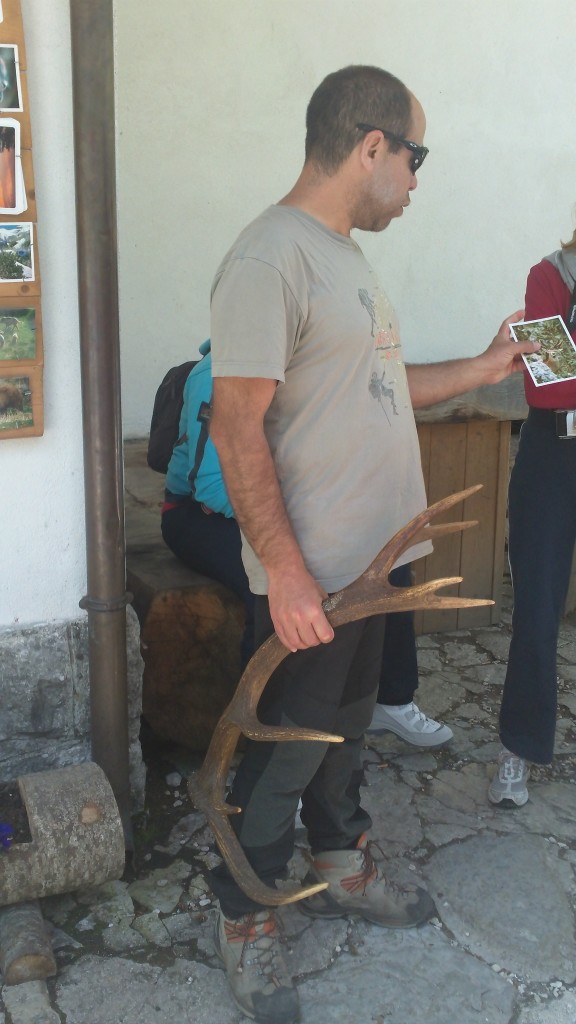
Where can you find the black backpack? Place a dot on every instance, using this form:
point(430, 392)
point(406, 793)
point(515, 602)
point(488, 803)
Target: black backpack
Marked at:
point(166, 416)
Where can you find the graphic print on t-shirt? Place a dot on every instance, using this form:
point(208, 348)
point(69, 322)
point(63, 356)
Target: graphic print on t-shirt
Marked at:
point(387, 345)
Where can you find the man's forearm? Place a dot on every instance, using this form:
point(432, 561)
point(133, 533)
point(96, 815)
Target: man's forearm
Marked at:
point(436, 382)
point(257, 501)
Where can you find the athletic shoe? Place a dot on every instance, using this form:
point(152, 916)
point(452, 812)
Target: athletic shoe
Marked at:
point(510, 778)
point(358, 888)
point(411, 724)
point(261, 985)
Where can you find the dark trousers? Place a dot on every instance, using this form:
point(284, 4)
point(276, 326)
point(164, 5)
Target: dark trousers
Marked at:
point(542, 524)
point(211, 545)
point(333, 688)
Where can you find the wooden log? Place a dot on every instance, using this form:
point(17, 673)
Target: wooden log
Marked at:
point(25, 948)
point(190, 634)
point(77, 835)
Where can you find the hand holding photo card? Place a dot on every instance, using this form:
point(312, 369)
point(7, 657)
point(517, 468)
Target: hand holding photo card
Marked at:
point(556, 360)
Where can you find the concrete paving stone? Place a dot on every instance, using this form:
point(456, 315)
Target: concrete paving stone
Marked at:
point(112, 911)
point(551, 810)
point(121, 938)
point(427, 641)
point(312, 945)
point(62, 940)
point(185, 928)
point(96, 894)
point(557, 1011)
point(471, 882)
point(567, 650)
point(183, 833)
point(491, 674)
point(473, 713)
point(461, 789)
point(440, 835)
point(390, 804)
point(162, 889)
point(100, 991)
point(568, 700)
point(436, 695)
point(29, 1003)
point(465, 654)
point(496, 641)
point(406, 977)
point(151, 928)
point(429, 659)
point(409, 760)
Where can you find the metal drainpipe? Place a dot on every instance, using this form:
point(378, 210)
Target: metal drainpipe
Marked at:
point(94, 156)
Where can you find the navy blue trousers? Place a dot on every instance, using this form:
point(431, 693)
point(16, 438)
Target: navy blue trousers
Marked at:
point(211, 545)
point(542, 526)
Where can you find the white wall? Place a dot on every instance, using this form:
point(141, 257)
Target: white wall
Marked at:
point(210, 113)
point(42, 552)
point(210, 108)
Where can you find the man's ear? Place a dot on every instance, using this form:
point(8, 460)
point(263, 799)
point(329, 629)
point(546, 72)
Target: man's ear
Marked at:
point(370, 147)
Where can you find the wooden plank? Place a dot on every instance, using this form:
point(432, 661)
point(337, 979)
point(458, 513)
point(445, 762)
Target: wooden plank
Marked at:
point(11, 30)
point(424, 437)
point(455, 456)
point(482, 559)
point(446, 475)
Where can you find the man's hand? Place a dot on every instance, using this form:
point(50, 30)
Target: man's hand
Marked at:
point(295, 601)
point(504, 355)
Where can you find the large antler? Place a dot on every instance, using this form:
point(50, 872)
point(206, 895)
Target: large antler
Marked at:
point(370, 594)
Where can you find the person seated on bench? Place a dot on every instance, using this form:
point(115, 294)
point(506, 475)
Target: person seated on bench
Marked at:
point(198, 526)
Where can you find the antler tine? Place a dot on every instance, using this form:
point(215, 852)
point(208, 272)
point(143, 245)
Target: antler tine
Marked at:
point(371, 594)
point(409, 534)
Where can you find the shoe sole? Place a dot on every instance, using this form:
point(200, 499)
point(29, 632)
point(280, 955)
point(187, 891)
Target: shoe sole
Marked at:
point(425, 744)
point(514, 801)
point(332, 913)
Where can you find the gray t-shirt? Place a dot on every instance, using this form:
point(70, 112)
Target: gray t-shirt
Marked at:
point(295, 302)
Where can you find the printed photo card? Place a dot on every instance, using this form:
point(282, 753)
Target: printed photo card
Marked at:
point(556, 360)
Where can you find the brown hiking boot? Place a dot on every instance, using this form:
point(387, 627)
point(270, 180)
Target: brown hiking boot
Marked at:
point(261, 985)
point(357, 887)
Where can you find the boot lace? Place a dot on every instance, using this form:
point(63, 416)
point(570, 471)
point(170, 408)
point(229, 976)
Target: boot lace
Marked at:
point(260, 945)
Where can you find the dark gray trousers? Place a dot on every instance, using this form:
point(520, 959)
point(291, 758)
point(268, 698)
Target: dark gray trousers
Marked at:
point(333, 688)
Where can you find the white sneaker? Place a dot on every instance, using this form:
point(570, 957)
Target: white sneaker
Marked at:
point(411, 724)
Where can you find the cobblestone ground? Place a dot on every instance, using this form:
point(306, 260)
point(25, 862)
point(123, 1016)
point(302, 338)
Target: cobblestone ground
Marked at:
point(500, 951)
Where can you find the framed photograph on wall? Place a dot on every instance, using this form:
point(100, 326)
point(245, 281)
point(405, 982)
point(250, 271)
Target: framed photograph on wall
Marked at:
point(20, 337)
point(21, 407)
point(10, 86)
point(12, 192)
point(16, 252)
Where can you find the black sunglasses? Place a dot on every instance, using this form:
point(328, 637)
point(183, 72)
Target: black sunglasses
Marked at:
point(419, 153)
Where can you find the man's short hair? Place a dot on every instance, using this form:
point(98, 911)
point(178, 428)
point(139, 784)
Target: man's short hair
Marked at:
point(358, 93)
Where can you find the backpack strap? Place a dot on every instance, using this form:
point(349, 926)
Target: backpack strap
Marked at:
point(203, 417)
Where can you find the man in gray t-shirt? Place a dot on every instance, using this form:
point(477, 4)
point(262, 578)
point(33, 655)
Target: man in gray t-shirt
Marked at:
point(314, 428)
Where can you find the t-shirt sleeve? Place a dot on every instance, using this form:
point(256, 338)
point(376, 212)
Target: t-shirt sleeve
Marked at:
point(255, 321)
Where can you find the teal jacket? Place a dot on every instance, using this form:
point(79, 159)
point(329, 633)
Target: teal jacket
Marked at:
point(204, 482)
